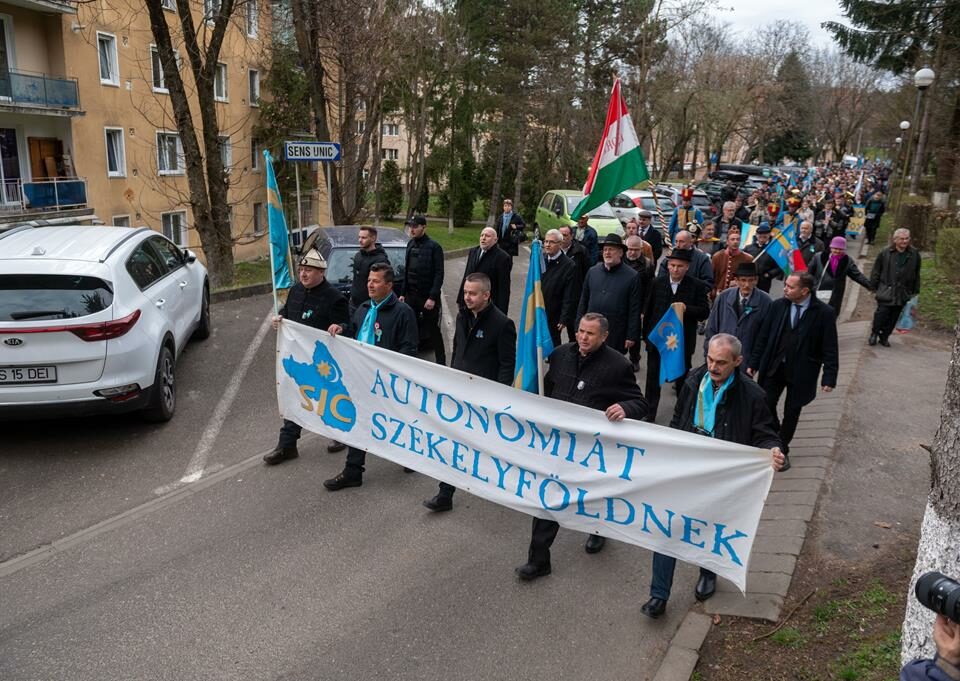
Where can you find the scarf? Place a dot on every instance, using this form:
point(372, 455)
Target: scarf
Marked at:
point(705, 413)
point(368, 332)
point(834, 263)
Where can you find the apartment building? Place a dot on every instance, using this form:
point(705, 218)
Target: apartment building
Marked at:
point(87, 132)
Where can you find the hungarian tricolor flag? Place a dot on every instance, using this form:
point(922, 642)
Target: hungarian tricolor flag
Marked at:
point(618, 163)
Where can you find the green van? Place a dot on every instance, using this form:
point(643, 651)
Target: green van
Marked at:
point(555, 207)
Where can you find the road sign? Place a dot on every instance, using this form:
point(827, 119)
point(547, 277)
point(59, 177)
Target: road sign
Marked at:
point(311, 151)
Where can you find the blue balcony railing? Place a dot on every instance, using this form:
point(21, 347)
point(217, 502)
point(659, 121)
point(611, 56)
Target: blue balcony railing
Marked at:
point(38, 89)
point(43, 195)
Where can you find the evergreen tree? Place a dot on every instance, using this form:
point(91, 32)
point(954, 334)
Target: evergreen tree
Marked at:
point(391, 191)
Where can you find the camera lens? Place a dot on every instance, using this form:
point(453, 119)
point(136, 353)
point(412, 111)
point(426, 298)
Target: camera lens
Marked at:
point(940, 594)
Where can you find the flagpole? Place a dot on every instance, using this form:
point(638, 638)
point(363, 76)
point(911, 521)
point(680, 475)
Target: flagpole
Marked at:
point(540, 377)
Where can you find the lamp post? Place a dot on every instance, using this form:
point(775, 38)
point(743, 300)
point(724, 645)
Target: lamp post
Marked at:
point(904, 126)
point(922, 79)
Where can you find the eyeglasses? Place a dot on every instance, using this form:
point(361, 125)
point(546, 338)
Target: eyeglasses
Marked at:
point(551, 241)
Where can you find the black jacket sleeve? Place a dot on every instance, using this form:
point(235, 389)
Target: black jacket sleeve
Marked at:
point(568, 309)
point(503, 284)
point(831, 350)
point(340, 311)
point(437, 256)
point(854, 273)
point(407, 337)
point(763, 338)
point(584, 298)
point(634, 404)
point(699, 308)
point(763, 433)
point(635, 310)
point(507, 352)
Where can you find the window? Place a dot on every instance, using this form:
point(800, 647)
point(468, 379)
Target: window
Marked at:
point(391, 129)
point(116, 160)
point(145, 265)
point(157, 71)
point(211, 8)
point(226, 152)
point(258, 218)
point(220, 83)
point(252, 18)
point(107, 49)
point(389, 154)
point(169, 254)
point(120, 220)
point(254, 153)
point(361, 127)
point(168, 5)
point(175, 227)
point(169, 154)
point(254, 77)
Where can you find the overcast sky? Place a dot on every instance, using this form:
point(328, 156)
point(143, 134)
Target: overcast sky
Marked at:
point(746, 15)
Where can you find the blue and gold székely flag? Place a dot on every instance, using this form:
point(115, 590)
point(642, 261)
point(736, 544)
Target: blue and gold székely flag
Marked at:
point(279, 246)
point(667, 338)
point(534, 344)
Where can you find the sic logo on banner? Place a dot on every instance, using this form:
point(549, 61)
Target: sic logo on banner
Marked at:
point(322, 389)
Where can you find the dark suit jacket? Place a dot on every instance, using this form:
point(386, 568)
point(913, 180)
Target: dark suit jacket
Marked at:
point(560, 282)
point(511, 237)
point(496, 264)
point(815, 347)
point(578, 253)
point(602, 379)
point(488, 348)
point(655, 239)
point(691, 292)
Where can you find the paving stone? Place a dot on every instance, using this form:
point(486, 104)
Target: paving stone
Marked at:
point(772, 562)
point(826, 443)
point(782, 544)
point(781, 484)
point(806, 452)
point(785, 498)
point(813, 430)
point(758, 583)
point(809, 462)
point(678, 665)
point(694, 628)
point(791, 512)
point(782, 528)
point(761, 606)
point(797, 473)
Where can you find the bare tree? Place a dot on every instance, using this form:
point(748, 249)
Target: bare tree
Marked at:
point(845, 96)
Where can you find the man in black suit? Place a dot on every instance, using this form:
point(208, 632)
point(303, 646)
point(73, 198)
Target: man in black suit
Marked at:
point(510, 226)
point(675, 286)
point(577, 252)
point(485, 345)
point(797, 338)
point(614, 289)
point(488, 258)
point(650, 234)
point(560, 284)
point(591, 374)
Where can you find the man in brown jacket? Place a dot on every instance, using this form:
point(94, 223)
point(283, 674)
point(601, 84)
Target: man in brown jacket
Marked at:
point(725, 263)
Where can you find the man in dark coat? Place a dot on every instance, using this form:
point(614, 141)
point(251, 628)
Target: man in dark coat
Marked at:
point(485, 345)
point(896, 279)
point(645, 269)
point(489, 259)
point(388, 323)
point(740, 415)
point(560, 283)
point(797, 338)
point(576, 251)
point(873, 210)
point(830, 222)
point(510, 226)
point(315, 302)
point(614, 290)
point(587, 236)
point(739, 310)
point(423, 277)
point(767, 267)
point(370, 253)
point(676, 286)
point(701, 267)
point(591, 374)
point(807, 243)
point(726, 220)
point(649, 233)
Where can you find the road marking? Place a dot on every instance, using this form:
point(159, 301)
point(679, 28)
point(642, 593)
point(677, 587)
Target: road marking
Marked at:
point(198, 461)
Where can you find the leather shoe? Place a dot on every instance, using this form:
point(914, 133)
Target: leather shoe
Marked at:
point(654, 608)
point(342, 481)
point(873, 339)
point(336, 446)
point(706, 586)
point(885, 342)
point(594, 543)
point(281, 454)
point(439, 503)
point(531, 571)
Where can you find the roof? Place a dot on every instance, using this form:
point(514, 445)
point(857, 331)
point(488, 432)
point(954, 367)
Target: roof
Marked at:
point(67, 242)
point(567, 192)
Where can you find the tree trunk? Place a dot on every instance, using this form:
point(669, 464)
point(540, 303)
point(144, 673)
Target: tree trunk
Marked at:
point(497, 179)
point(939, 547)
point(518, 181)
point(947, 162)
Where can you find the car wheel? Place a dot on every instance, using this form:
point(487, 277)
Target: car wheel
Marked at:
point(202, 331)
point(163, 396)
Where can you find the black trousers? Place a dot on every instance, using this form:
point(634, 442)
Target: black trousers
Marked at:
point(774, 385)
point(289, 434)
point(428, 326)
point(885, 319)
point(356, 458)
point(871, 228)
point(447, 490)
point(652, 385)
point(541, 539)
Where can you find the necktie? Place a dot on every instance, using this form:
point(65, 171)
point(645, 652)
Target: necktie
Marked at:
point(796, 316)
point(743, 303)
point(480, 255)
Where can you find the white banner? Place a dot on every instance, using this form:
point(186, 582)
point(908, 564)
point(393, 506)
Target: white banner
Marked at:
point(684, 495)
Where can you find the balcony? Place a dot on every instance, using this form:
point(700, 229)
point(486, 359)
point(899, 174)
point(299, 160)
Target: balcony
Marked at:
point(43, 196)
point(37, 92)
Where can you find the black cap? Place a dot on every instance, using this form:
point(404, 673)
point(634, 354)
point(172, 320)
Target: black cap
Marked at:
point(613, 240)
point(685, 254)
point(764, 228)
point(416, 220)
point(746, 269)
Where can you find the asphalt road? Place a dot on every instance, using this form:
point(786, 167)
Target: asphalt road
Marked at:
point(135, 551)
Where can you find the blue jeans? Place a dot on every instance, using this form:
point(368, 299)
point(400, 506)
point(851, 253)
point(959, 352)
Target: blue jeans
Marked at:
point(663, 567)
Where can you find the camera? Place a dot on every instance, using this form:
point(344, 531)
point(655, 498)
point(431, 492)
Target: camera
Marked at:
point(940, 594)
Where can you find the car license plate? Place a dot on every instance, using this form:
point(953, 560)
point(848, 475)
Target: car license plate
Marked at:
point(15, 375)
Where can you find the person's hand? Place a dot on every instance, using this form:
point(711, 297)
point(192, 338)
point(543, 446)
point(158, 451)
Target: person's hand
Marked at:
point(615, 413)
point(628, 344)
point(751, 372)
point(946, 634)
point(275, 322)
point(430, 304)
point(335, 329)
point(828, 388)
point(777, 458)
point(401, 299)
point(560, 327)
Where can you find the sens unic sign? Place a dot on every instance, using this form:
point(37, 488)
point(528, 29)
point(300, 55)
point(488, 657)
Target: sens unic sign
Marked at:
point(311, 151)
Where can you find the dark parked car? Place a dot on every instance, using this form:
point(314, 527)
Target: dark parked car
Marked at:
point(339, 244)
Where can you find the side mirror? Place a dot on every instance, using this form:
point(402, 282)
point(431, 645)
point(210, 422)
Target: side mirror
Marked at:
point(189, 255)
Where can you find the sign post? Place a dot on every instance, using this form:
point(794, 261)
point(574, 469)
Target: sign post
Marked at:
point(308, 151)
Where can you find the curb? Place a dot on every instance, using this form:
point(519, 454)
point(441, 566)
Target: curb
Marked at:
point(240, 292)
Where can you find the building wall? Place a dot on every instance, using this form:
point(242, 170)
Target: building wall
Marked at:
point(29, 38)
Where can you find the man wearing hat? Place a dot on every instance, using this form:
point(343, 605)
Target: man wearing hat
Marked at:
point(792, 216)
point(701, 268)
point(420, 288)
point(739, 310)
point(726, 262)
point(649, 233)
point(615, 291)
point(677, 286)
point(312, 301)
point(767, 267)
point(829, 222)
point(684, 214)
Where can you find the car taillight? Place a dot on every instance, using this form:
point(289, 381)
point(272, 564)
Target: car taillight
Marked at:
point(105, 330)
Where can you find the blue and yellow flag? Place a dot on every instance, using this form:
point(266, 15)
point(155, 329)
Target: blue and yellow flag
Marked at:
point(279, 247)
point(667, 338)
point(534, 343)
point(781, 248)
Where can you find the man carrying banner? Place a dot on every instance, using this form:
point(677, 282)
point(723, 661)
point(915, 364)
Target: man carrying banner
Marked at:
point(388, 323)
point(315, 302)
point(591, 374)
point(718, 401)
point(485, 345)
point(676, 287)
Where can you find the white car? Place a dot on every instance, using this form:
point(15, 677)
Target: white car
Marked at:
point(628, 204)
point(93, 319)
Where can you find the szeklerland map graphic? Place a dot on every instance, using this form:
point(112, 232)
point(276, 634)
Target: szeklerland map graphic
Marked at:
point(321, 381)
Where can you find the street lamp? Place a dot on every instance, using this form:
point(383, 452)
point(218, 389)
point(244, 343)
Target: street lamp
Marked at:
point(904, 126)
point(899, 142)
point(922, 79)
